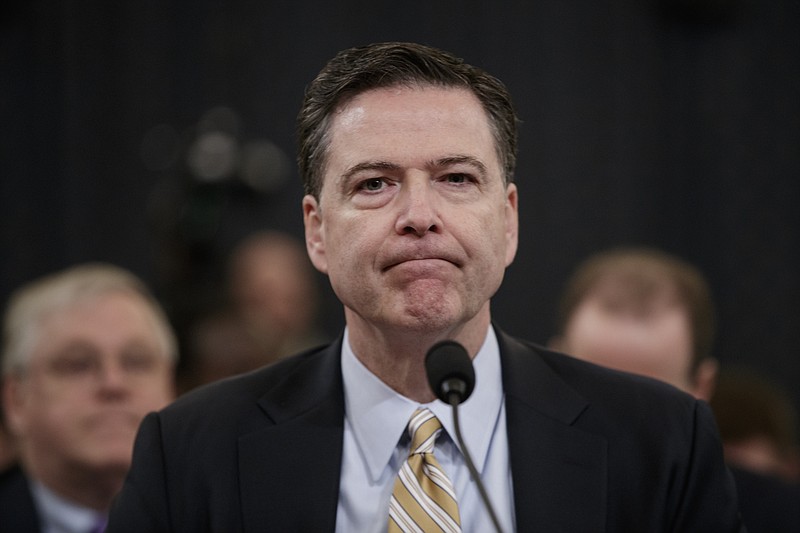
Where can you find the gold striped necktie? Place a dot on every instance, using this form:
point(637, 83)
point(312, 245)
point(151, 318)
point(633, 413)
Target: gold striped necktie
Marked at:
point(423, 499)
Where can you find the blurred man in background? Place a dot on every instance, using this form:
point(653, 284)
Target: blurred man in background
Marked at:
point(272, 287)
point(268, 310)
point(644, 311)
point(88, 352)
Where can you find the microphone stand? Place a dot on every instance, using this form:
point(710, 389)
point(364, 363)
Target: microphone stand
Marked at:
point(454, 400)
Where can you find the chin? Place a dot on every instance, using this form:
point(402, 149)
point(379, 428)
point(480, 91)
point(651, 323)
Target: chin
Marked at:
point(429, 319)
point(111, 463)
point(110, 451)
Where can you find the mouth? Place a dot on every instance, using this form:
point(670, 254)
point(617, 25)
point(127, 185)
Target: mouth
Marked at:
point(421, 262)
point(421, 256)
point(111, 420)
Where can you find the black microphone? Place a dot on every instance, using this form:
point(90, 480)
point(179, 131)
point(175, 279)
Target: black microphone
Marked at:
point(450, 372)
point(451, 377)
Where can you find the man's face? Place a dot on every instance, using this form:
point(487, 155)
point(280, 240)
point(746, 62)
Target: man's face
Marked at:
point(273, 289)
point(414, 225)
point(96, 371)
point(653, 340)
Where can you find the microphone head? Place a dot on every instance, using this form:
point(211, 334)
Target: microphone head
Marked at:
point(451, 375)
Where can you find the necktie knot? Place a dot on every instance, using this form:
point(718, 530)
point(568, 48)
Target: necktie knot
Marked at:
point(423, 428)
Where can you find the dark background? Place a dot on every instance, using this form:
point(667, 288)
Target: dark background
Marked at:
point(667, 123)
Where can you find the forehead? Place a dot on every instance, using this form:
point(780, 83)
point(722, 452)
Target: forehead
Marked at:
point(659, 332)
point(403, 121)
point(634, 291)
point(104, 318)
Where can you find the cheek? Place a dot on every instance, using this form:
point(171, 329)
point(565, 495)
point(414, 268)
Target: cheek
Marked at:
point(484, 238)
point(151, 390)
point(155, 396)
point(351, 246)
point(50, 416)
point(348, 274)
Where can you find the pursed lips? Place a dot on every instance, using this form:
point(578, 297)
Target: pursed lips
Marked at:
point(419, 259)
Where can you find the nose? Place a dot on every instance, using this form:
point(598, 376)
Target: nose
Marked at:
point(112, 377)
point(418, 208)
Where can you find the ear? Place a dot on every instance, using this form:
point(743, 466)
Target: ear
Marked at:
point(14, 404)
point(315, 235)
point(512, 222)
point(705, 379)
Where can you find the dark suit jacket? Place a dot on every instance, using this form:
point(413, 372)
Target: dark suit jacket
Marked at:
point(17, 510)
point(591, 450)
point(768, 504)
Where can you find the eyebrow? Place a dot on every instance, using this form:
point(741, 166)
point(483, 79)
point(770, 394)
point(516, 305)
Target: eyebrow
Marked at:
point(369, 165)
point(460, 160)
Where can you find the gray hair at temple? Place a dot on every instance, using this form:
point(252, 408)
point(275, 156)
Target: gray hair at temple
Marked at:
point(357, 70)
point(30, 305)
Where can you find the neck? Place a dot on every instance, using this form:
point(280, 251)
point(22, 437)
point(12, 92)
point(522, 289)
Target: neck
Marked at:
point(94, 490)
point(397, 356)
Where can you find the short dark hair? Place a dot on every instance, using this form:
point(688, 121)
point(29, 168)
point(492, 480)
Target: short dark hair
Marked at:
point(645, 273)
point(382, 65)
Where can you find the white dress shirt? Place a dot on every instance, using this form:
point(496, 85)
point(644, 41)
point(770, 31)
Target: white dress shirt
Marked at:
point(58, 515)
point(376, 445)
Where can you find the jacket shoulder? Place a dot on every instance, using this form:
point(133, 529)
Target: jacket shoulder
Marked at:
point(17, 509)
point(597, 385)
point(299, 380)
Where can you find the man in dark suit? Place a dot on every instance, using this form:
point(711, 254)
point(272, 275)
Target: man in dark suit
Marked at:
point(87, 353)
point(645, 311)
point(408, 158)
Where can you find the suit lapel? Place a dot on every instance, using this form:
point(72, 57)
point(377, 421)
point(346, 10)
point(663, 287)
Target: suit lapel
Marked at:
point(18, 510)
point(558, 469)
point(302, 438)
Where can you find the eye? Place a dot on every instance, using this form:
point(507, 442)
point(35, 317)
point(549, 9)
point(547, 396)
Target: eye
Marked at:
point(74, 361)
point(138, 359)
point(70, 366)
point(372, 184)
point(457, 178)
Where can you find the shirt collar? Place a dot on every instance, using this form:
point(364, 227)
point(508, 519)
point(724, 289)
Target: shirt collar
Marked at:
point(378, 415)
point(61, 515)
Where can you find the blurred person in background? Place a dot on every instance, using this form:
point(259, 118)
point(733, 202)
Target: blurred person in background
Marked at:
point(219, 344)
point(87, 354)
point(272, 287)
point(644, 311)
point(758, 423)
point(268, 311)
